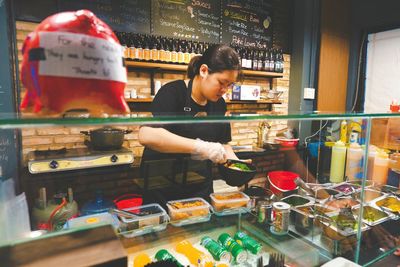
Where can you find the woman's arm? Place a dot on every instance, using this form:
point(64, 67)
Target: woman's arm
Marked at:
point(161, 140)
point(229, 152)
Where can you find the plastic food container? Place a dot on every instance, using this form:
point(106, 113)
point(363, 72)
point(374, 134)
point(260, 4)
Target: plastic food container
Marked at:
point(346, 188)
point(281, 182)
point(331, 229)
point(145, 219)
point(369, 195)
point(297, 200)
point(287, 142)
point(388, 203)
point(322, 194)
point(371, 215)
point(188, 211)
point(230, 203)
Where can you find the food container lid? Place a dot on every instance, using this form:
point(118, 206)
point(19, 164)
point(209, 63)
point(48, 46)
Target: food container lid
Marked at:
point(242, 197)
point(182, 205)
point(281, 205)
point(144, 212)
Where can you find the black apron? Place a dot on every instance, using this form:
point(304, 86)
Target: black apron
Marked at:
point(153, 161)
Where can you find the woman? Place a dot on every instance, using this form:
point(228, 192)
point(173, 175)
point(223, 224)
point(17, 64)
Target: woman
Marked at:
point(210, 76)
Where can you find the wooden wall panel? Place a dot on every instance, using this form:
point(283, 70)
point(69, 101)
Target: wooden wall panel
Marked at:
point(334, 55)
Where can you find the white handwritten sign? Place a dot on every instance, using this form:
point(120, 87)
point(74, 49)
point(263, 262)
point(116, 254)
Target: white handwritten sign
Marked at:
point(81, 56)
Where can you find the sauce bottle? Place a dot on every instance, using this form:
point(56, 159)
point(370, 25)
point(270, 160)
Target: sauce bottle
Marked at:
point(337, 162)
point(381, 168)
point(354, 162)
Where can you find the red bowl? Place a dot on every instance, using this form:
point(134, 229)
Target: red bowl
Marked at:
point(287, 142)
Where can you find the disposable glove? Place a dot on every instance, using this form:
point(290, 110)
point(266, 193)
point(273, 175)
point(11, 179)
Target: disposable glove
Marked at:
point(209, 150)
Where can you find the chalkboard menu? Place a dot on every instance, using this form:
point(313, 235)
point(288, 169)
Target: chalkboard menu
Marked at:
point(120, 15)
point(35, 11)
point(247, 22)
point(187, 19)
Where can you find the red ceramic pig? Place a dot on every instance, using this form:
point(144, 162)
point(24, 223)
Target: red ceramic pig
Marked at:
point(72, 61)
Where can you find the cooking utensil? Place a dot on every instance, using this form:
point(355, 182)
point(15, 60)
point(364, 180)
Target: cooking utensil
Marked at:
point(105, 138)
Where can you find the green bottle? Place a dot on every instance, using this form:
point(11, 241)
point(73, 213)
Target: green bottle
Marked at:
point(238, 253)
point(247, 242)
point(218, 251)
point(163, 255)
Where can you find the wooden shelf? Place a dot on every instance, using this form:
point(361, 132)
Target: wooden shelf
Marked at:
point(183, 68)
point(149, 100)
point(139, 100)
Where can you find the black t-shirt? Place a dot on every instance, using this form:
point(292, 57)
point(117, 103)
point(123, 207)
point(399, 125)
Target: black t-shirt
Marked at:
point(174, 99)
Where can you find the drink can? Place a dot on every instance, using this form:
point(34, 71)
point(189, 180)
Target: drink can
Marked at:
point(237, 251)
point(163, 255)
point(264, 210)
point(247, 242)
point(218, 251)
point(280, 220)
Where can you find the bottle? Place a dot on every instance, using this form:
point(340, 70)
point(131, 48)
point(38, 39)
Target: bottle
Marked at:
point(272, 63)
point(163, 255)
point(139, 48)
point(282, 61)
point(381, 168)
point(186, 53)
point(141, 260)
point(218, 252)
point(373, 150)
point(262, 60)
point(337, 162)
point(267, 60)
point(153, 51)
point(174, 53)
point(146, 50)
point(194, 255)
point(354, 162)
point(249, 60)
point(343, 131)
point(192, 50)
point(168, 51)
point(243, 58)
point(181, 57)
point(161, 50)
point(237, 251)
point(247, 242)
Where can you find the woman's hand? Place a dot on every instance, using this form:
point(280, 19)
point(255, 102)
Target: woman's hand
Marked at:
point(209, 150)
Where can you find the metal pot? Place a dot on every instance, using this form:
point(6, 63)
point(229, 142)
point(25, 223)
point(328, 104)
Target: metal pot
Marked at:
point(105, 138)
point(257, 193)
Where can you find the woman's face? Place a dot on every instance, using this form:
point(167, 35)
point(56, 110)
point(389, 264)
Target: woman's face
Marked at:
point(215, 85)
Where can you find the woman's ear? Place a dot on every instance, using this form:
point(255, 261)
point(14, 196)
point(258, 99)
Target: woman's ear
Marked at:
point(203, 71)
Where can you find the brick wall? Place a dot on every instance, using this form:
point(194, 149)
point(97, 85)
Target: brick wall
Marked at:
point(243, 133)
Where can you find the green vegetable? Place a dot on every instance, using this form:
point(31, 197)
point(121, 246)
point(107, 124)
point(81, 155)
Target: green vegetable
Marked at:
point(240, 166)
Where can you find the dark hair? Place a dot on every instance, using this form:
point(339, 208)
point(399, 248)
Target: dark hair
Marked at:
point(217, 57)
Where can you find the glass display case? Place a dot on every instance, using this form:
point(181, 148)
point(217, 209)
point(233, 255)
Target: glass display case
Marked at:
point(328, 187)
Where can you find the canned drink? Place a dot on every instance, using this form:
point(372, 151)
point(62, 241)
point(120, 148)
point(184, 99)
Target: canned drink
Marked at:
point(280, 220)
point(163, 255)
point(238, 253)
point(247, 242)
point(264, 210)
point(218, 251)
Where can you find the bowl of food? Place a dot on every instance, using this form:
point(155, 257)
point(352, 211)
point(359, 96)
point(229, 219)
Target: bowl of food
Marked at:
point(236, 172)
